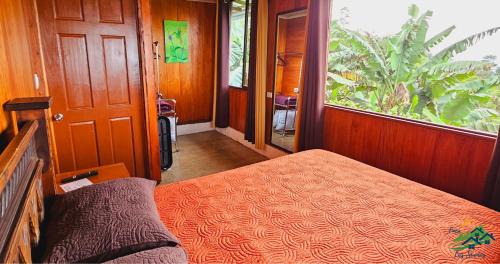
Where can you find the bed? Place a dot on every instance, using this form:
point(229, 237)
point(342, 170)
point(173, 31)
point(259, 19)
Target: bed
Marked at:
point(310, 207)
point(316, 206)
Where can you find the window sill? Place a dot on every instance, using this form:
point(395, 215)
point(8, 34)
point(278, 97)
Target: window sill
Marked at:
point(238, 87)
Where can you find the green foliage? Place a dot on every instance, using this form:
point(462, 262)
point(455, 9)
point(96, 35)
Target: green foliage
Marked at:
point(237, 40)
point(399, 75)
point(236, 52)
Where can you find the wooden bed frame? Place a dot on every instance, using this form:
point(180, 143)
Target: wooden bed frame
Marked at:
point(21, 197)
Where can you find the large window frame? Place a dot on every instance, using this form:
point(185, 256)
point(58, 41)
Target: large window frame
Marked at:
point(444, 126)
point(246, 43)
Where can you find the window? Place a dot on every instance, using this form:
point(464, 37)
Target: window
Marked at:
point(436, 61)
point(239, 42)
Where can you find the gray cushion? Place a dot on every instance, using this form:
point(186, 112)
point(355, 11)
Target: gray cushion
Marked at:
point(167, 255)
point(104, 221)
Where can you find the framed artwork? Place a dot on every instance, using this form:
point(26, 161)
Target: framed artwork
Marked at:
point(176, 41)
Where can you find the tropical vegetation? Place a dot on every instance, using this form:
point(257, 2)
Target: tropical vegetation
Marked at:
point(402, 75)
point(239, 54)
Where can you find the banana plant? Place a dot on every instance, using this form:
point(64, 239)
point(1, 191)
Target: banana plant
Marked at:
point(400, 75)
point(236, 52)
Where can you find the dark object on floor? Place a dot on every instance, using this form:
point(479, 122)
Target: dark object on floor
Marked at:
point(165, 143)
point(80, 176)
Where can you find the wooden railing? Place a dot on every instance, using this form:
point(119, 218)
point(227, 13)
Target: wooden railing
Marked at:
point(21, 194)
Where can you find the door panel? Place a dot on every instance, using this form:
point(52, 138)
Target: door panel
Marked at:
point(68, 10)
point(84, 144)
point(121, 130)
point(116, 70)
point(76, 74)
point(91, 53)
point(110, 11)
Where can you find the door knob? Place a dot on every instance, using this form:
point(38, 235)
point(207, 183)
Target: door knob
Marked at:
point(58, 117)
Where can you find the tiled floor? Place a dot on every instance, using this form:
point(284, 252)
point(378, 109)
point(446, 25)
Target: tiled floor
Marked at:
point(285, 142)
point(207, 153)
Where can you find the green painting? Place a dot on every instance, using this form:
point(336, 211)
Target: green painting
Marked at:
point(176, 41)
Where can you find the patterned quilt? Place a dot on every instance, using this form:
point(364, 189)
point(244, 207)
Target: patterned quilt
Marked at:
point(320, 207)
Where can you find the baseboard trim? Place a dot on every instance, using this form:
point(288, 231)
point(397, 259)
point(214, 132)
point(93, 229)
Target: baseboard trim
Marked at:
point(269, 151)
point(194, 128)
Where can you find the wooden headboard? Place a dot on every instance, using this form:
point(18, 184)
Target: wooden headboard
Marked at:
point(21, 197)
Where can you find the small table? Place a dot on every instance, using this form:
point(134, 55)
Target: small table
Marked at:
point(105, 173)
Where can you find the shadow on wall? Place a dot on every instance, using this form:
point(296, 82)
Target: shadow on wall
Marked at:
point(5, 137)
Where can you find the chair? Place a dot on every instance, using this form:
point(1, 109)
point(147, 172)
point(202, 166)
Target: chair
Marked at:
point(167, 108)
point(286, 103)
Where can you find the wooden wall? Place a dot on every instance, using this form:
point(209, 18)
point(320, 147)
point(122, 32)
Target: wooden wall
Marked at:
point(191, 83)
point(280, 49)
point(295, 37)
point(451, 160)
point(19, 58)
point(238, 108)
point(275, 7)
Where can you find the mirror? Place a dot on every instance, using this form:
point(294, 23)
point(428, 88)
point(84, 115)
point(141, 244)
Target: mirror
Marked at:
point(290, 44)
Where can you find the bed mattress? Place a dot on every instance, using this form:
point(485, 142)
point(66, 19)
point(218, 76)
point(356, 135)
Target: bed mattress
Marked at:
point(317, 206)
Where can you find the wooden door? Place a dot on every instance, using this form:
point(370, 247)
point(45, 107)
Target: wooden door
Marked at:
point(93, 74)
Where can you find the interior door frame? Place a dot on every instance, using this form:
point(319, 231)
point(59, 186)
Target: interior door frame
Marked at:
point(144, 32)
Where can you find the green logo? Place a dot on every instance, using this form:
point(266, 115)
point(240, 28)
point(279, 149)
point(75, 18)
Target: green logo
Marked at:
point(473, 239)
point(466, 245)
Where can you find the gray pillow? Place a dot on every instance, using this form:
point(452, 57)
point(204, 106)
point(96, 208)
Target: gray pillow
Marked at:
point(167, 255)
point(105, 221)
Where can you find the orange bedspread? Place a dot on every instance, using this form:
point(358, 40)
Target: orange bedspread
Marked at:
point(316, 206)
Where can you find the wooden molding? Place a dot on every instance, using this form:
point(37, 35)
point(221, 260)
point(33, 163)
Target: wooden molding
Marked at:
point(421, 123)
point(149, 90)
point(203, 1)
point(25, 110)
point(21, 197)
point(28, 103)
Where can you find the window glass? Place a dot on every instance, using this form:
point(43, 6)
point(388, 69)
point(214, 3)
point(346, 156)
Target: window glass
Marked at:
point(239, 43)
point(436, 61)
point(247, 47)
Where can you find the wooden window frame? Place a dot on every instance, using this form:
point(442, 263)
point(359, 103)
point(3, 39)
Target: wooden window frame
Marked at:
point(416, 122)
point(246, 44)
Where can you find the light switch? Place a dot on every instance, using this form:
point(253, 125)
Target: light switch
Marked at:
point(36, 81)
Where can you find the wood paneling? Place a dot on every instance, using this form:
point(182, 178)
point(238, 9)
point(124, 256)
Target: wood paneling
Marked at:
point(18, 58)
point(294, 47)
point(280, 49)
point(238, 108)
point(275, 7)
point(191, 83)
point(451, 160)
